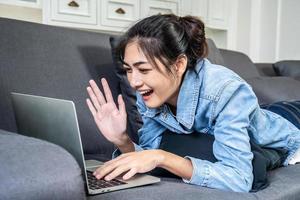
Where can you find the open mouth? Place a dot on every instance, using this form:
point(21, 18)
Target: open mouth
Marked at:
point(146, 93)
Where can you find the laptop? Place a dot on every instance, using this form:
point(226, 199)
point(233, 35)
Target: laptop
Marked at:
point(55, 120)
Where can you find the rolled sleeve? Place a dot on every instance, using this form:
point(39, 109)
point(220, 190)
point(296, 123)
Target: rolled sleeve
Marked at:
point(201, 172)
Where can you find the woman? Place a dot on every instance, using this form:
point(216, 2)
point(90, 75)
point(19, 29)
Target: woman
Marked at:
point(181, 91)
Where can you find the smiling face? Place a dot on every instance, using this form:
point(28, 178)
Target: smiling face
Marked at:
point(157, 86)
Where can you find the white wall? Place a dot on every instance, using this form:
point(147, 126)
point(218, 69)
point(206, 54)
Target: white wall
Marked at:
point(269, 30)
point(289, 38)
point(243, 26)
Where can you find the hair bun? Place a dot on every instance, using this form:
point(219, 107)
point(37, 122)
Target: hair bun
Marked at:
point(194, 30)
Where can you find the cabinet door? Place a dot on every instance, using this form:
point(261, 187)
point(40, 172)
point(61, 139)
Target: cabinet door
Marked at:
point(196, 8)
point(218, 14)
point(77, 11)
point(119, 13)
point(152, 7)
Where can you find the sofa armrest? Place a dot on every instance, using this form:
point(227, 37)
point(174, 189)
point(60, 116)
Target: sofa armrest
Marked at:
point(36, 169)
point(289, 68)
point(265, 69)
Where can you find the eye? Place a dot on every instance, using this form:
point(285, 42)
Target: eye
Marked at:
point(144, 71)
point(127, 69)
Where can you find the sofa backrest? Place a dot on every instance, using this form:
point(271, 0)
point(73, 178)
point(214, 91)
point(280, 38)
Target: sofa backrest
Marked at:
point(239, 63)
point(54, 62)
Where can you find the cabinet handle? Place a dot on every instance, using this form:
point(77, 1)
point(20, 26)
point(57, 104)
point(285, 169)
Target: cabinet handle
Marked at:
point(120, 11)
point(73, 4)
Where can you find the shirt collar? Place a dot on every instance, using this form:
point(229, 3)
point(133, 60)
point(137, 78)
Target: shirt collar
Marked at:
point(189, 95)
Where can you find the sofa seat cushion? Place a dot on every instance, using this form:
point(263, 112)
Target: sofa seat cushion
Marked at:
point(284, 184)
point(289, 68)
point(36, 169)
point(274, 89)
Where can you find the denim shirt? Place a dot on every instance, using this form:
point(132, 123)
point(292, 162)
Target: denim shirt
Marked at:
point(214, 100)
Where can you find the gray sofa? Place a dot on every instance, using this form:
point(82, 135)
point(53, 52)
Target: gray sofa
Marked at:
point(58, 62)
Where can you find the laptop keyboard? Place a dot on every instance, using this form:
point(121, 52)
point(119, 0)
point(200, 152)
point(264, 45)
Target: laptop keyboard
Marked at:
point(95, 184)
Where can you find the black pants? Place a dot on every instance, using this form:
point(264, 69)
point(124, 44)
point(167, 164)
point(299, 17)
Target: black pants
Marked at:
point(200, 146)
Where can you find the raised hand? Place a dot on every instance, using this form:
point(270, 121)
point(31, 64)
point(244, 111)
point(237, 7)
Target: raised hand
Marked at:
point(110, 119)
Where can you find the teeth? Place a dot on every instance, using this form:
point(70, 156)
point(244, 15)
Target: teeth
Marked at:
point(144, 92)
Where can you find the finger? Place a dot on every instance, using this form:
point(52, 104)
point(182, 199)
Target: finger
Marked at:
point(107, 91)
point(117, 159)
point(122, 106)
point(97, 92)
point(102, 171)
point(119, 170)
point(130, 174)
point(98, 173)
point(107, 167)
point(93, 98)
point(91, 107)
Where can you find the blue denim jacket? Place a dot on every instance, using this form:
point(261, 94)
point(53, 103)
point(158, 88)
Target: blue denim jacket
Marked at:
point(214, 100)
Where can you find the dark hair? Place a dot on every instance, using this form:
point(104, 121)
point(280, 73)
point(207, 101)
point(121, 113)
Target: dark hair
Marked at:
point(166, 37)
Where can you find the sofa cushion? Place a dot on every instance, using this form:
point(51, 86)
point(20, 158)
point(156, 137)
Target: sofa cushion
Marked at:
point(273, 89)
point(54, 62)
point(36, 169)
point(239, 63)
point(284, 184)
point(287, 68)
point(214, 54)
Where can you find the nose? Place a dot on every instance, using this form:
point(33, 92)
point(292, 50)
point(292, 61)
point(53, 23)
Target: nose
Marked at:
point(135, 79)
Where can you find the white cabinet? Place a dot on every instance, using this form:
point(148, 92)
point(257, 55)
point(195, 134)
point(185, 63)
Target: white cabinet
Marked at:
point(103, 15)
point(214, 13)
point(152, 7)
point(119, 13)
point(76, 13)
point(23, 3)
point(79, 11)
point(217, 16)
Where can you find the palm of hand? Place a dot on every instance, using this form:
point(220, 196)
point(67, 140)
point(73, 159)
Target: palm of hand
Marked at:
point(110, 121)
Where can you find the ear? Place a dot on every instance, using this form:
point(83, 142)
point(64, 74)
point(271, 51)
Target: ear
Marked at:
point(181, 65)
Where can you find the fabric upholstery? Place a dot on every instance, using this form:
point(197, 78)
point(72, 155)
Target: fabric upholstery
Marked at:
point(214, 54)
point(288, 68)
point(54, 62)
point(273, 89)
point(265, 69)
point(284, 185)
point(239, 63)
point(35, 169)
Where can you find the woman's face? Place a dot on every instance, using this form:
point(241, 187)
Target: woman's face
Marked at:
point(155, 86)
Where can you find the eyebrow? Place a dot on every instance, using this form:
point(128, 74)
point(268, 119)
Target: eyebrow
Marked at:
point(136, 64)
